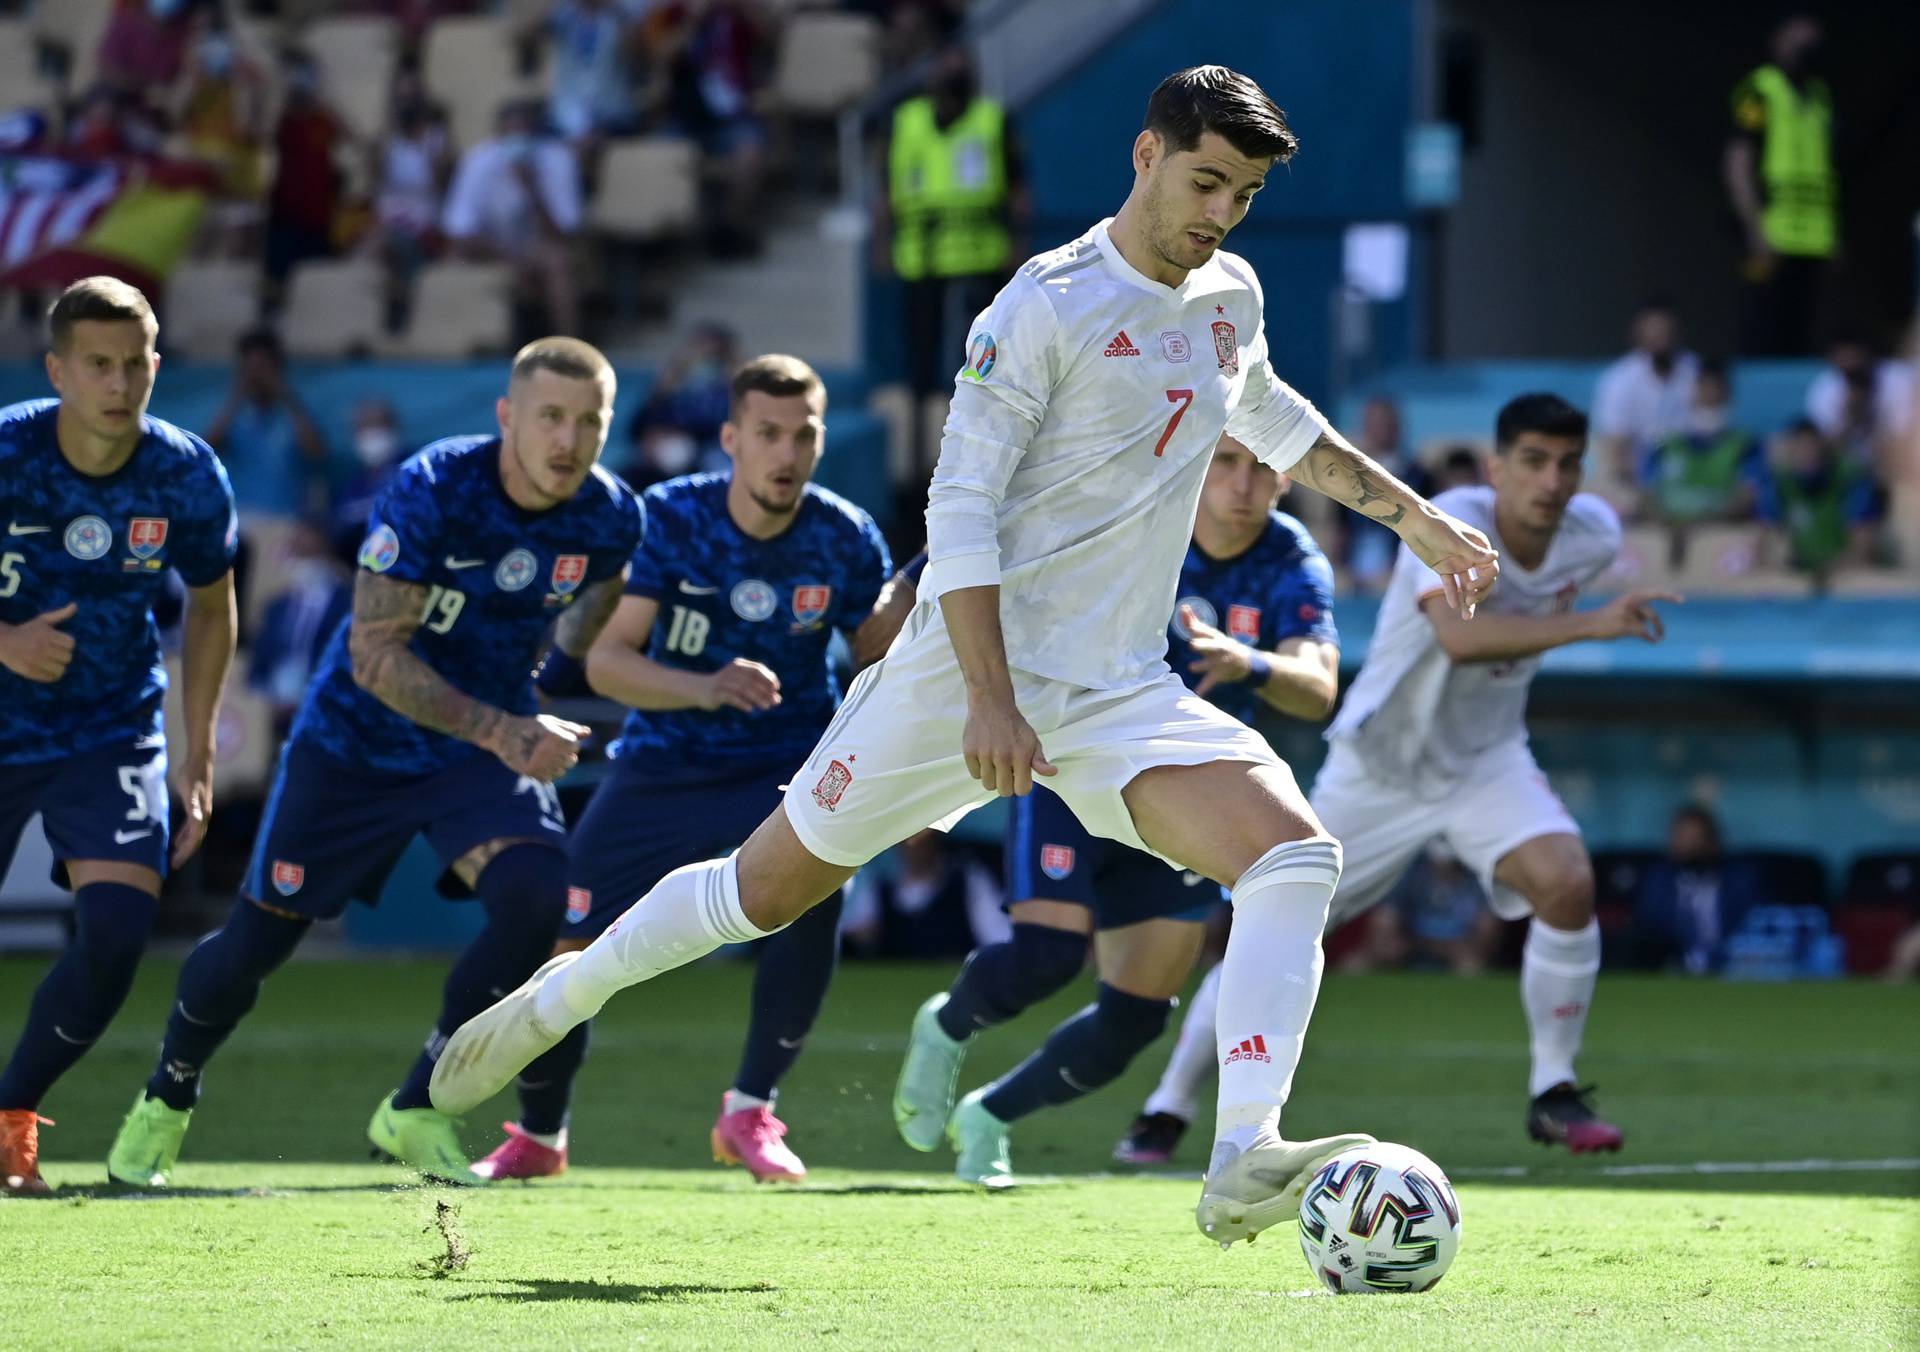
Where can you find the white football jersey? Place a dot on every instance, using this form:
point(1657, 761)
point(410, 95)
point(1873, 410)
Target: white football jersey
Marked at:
point(1416, 718)
point(1074, 450)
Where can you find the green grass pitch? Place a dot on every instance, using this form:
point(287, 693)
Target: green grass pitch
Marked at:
point(284, 1235)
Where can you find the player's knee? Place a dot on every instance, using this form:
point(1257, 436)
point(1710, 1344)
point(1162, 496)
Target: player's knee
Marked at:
point(524, 889)
point(1128, 1026)
point(1045, 960)
point(114, 924)
point(1563, 895)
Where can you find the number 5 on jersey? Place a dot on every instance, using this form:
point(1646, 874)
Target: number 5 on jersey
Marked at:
point(1184, 398)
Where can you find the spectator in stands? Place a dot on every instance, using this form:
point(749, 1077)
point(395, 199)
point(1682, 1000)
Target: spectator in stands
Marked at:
point(221, 116)
point(947, 225)
point(306, 181)
point(1712, 471)
point(1643, 398)
point(711, 53)
point(516, 198)
point(1370, 547)
point(272, 449)
point(378, 449)
point(144, 45)
point(1436, 918)
point(112, 123)
point(297, 622)
point(412, 165)
point(1460, 467)
point(677, 430)
point(1862, 403)
point(596, 50)
point(1780, 178)
point(1692, 900)
point(939, 904)
point(1826, 506)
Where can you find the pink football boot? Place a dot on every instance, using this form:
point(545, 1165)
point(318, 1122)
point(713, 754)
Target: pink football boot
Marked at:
point(520, 1156)
point(751, 1137)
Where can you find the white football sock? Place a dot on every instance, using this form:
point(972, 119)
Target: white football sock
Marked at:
point(1269, 980)
point(689, 913)
point(734, 1101)
point(1558, 969)
point(552, 1140)
point(1193, 1055)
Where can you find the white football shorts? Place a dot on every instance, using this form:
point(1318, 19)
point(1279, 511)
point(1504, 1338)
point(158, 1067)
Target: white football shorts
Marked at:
point(890, 763)
point(1500, 804)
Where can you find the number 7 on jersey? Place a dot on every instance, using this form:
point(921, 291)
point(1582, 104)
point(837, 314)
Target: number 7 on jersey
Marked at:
point(1184, 398)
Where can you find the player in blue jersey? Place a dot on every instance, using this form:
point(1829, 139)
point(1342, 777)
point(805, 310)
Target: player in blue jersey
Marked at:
point(98, 500)
point(422, 720)
point(1254, 628)
point(720, 649)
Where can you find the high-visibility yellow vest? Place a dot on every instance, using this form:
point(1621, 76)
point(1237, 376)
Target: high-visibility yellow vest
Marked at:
point(948, 189)
point(1795, 126)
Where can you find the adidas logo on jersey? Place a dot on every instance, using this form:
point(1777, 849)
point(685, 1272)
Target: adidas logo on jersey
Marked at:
point(1122, 346)
point(1252, 1049)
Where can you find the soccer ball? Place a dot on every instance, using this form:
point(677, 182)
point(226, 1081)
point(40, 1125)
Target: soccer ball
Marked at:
point(1379, 1217)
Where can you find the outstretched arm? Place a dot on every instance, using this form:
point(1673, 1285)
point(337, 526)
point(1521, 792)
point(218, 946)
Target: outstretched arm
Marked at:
point(1508, 638)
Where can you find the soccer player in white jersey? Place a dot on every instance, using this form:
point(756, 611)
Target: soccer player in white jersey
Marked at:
point(1432, 742)
point(1095, 387)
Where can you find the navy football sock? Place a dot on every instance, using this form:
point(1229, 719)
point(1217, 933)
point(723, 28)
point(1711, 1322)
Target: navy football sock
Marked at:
point(524, 889)
point(1000, 981)
point(82, 992)
point(1085, 1052)
point(218, 985)
point(789, 986)
point(546, 1086)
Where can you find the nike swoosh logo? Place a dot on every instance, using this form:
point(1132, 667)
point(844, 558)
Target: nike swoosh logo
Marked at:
point(463, 563)
point(128, 837)
point(692, 590)
point(15, 528)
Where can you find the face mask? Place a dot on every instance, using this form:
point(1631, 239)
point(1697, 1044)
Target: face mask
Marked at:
point(707, 373)
point(374, 445)
point(1707, 422)
point(165, 9)
point(673, 453)
point(216, 56)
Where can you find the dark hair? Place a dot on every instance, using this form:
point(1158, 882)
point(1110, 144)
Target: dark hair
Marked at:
point(1697, 812)
point(103, 300)
point(567, 357)
point(778, 376)
point(1656, 304)
point(1200, 99)
point(1714, 368)
point(1462, 458)
point(262, 340)
point(1804, 426)
point(1547, 414)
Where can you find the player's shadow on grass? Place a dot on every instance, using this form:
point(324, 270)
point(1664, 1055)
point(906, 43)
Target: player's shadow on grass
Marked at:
point(610, 1293)
point(114, 1192)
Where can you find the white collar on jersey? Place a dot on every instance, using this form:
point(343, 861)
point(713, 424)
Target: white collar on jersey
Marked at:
point(1199, 280)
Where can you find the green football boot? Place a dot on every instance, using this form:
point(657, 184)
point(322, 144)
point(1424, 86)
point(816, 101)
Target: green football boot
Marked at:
point(422, 1138)
point(923, 1098)
point(147, 1147)
point(980, 1138)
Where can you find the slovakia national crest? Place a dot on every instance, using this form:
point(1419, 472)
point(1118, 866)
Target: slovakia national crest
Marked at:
point(810, 602)
point(1056, 861)
point(569, 571)
point(579, 903)
point(1243, 622)
point(1226, 347)
point(146, 536)
point(287, 878)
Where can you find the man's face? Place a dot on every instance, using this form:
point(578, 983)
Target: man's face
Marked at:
point(1194, 197)
point(1238, 491)
point(1656, 333)
point(1710, 391)
point(1536, 477)
point(1380, 426)
point(555, 427)
point(105, 375)
point(1689, 841)
point(775, 442)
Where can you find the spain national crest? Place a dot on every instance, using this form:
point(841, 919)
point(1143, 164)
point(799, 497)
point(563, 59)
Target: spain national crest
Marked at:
point(1226, 347)
point(832, 786)
point(287, 878)
point(1056, 861)
point(569, 571)
point(146, 536)
point(1243, 622)
point(810, 602)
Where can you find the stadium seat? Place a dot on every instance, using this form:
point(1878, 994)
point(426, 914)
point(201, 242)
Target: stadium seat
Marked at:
point(1642, 561)
point(269, 564)
point(826, 62)
point(20, 66)
point(1882, 900)
point(244, 740)
point(1732, 561)
point(1789, 877)
point(77, 25)
point(1877, 583)
point(357, 55)
point(460, 310)
point(649, 188)
point(335, 308)
point(472, 66)
point(209, 305)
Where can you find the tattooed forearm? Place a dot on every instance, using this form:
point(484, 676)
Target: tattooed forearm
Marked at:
point(580, 623)
point(385, 614)
point(1350, 477)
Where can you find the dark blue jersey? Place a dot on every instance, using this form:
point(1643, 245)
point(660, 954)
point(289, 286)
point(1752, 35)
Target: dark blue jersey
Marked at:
point(724, 594)
point(1279, 587)
point(102, 542)
point(498, 575)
